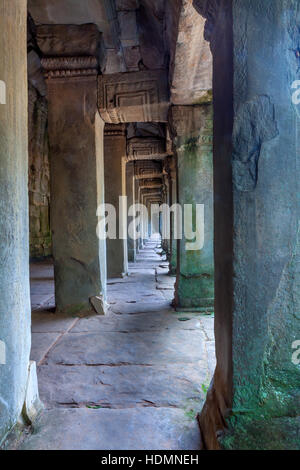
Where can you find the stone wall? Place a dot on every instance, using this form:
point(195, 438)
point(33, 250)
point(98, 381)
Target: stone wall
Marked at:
point(39, 176)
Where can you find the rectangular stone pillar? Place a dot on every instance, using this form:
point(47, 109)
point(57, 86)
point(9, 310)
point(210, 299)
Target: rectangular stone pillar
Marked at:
point(115, 187)
point(254, 400)
point(173, 201)
point(166, 199)
point(76, 165)
point(15, 314)
point(141, 201)
point(137, 195)
point(130, 189)
point(192, 134)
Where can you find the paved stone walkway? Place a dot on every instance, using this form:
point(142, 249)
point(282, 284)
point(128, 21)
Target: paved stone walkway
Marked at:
point(134, 379)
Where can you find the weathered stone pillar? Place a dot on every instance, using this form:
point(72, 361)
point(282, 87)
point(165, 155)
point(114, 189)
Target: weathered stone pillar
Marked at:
point(17, 374)
point(130, 189)
point(137, 200)
point(166, 199)
point(255, 393)
point(142, 216)
point(173, 200)
point(115, 187)
point(192, 137)
point(76, 165)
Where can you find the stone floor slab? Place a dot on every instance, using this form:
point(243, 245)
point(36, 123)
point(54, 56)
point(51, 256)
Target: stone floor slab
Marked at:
point(145, 348)
point(124, 387)
point(128, 429)
point(41, 343)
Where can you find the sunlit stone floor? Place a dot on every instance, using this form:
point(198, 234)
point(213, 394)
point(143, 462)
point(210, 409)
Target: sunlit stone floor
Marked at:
point(134, 379)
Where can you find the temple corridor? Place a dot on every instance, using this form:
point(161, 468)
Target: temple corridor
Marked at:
point(142, 368)
point(149, 224)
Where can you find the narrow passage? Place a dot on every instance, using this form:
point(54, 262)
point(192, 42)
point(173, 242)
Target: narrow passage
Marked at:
point(134, 379)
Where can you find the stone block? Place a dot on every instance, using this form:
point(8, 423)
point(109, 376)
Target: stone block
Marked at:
point(133, 97)
point(145, 148)
point(69, 40)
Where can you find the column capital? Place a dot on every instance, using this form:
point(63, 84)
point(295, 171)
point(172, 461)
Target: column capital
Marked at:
point(115, 130)
point(69, 50)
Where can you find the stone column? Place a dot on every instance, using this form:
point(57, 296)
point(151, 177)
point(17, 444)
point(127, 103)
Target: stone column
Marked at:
point(115, 186)
point(173, 200)
point(166, 244)
point(192, 137)
point(255, 392)
point(76, 165)
point(141, 240)
point(18, 375)
point(130, 188)
point(137, 195)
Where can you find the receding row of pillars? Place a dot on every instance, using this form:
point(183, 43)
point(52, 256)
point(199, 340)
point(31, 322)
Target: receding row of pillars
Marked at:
point(88, 168)
point(253, 401)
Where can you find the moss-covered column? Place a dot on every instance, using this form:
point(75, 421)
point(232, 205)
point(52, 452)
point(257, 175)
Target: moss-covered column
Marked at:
point(76, 165)
point(115, 187)
point(254, 400)
point(130, 190)
point(192, 138)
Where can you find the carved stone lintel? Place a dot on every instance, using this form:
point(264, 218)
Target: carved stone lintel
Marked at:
point(157, 183)
point(151, 192)
point(133, 97)
point(149, 175)
point(140, 148)
point(115, 130)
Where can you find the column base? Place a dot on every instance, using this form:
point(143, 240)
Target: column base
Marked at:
point(32, 404)
point(117, 276)
point(195, 292)
point(172, 271)
point(96, 304)
point(252, 429)
point(131, 256)
point(208, 309)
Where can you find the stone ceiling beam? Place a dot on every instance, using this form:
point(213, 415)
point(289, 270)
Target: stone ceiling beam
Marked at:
point(134, 97)
point(146, 148)
point(151, 184)
point(149, 176)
